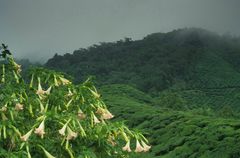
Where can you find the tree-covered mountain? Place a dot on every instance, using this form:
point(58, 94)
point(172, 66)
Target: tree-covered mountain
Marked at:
point(185, 57)
point(195, 66)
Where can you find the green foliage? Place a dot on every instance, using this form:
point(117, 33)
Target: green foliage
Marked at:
point(51, 116)
point(186, 61)
point(151, 64)
point(185, 134)
point(189, 106)
point(171, 100)
point(191, 77)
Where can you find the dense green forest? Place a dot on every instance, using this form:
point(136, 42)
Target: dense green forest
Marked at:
point(182, 88)
point(190, 63)
point(158, 61)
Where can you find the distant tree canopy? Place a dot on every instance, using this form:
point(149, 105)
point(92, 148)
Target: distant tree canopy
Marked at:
point(151, 64)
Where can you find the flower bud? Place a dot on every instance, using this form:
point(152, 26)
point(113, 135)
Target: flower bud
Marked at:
point(26, 136)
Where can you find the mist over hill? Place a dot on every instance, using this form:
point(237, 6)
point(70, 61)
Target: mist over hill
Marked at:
point(195, 65)
point(158, 61)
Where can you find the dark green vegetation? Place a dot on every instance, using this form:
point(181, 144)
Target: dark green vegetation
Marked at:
point(191, 134)
point(65, 120)
point(198, 65)
point(181, 87)
point(158, 61)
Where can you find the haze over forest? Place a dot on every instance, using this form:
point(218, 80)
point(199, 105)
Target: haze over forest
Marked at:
point(39, 29)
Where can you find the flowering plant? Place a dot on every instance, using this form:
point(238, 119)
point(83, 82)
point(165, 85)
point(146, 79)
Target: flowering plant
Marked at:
point(49, 115)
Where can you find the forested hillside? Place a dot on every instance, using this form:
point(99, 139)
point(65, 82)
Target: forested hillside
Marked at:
point(185, 57)
point(194, 65)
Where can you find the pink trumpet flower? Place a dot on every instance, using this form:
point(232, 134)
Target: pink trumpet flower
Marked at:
point(48, 90)
point(26, 136)
point(71, 135)
point(40, 91)
point(40, 130)
point(95, 119)
point(145, 146)
point(127, 147)
point(107, 115)
point(139, 148)
point(19, 107)
point(63, 129)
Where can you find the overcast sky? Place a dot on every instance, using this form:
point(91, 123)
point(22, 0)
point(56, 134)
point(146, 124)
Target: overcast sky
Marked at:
point(37, 29)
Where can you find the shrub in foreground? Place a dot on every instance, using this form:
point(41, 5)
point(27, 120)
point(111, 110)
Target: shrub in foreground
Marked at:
point(49, 115)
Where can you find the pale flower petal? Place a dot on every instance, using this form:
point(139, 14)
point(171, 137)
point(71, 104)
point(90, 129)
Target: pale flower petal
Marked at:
point(107, 115)
point(95, 119)
point(40, 91)
point(40, 130)
point(48, 90)
point(71, 135)
point(145, 146)
point(19, 107)
point(62, 130)
point(127, 147)
point(139, 148)
point(26, 136)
